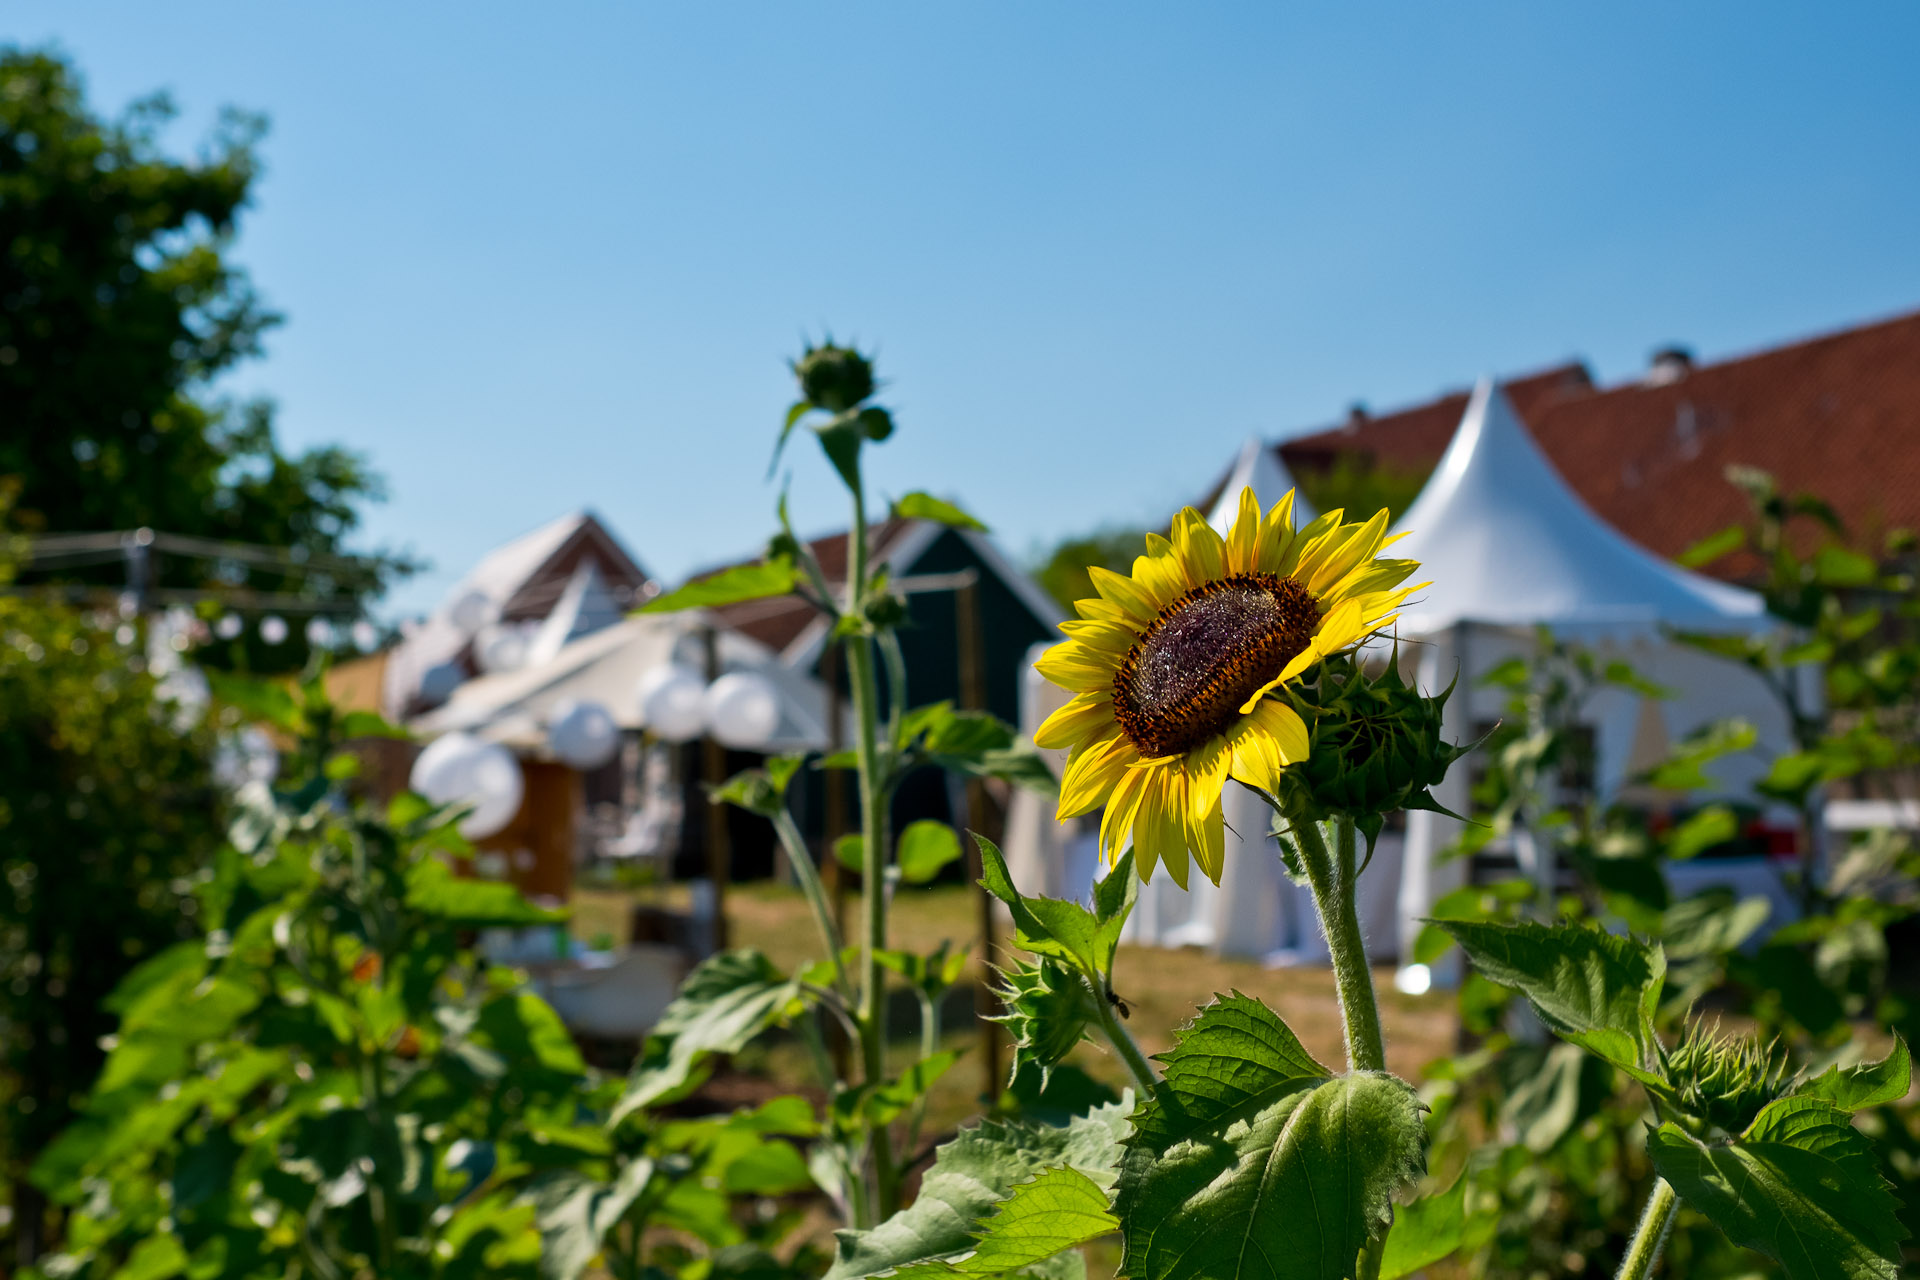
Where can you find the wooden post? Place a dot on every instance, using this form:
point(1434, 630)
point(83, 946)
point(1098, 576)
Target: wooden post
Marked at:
point(973, 697)
point(714, 759)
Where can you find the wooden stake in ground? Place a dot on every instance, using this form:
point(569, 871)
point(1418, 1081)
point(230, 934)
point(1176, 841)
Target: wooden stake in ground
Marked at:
point(973, 697)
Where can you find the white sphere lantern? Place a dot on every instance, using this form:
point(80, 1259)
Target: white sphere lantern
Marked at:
point(743, 710)
point(495, 787)
point(273, 629)
point(320, 633)
point(472, 611)
point(459, 769)
point(582, 734)
point(500, 647)
point(672, 702)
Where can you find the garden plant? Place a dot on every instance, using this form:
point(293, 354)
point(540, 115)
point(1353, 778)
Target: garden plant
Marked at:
point(327, 1080)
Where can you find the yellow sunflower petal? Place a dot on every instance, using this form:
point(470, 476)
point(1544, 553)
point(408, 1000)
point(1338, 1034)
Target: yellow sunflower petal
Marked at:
point(1087, 716)
point(1206, 770)
point(1169, 830)
point(1276, 536)
point(1266, 741)
point(1207, 836)
point(1306, 539)
point(1072, 665)
point(1091, 774)
point(1202, 551)
point(1121, 590)
point(1161, 578)
point(1356, 549)
point(1243, 540)
point(1107, 637)
point(1095, 609)
point(1117, 823)
point(1369, 576)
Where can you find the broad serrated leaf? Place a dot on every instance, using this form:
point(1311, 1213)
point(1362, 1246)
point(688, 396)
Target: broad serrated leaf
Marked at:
point(1592, 988)
point(1061, 1209)
point(1251, 1160)
point(924, 506)
point(1051, 926)
point(1869, 1084)
point(575, 1212)
point(776, 577)
point(434, 890)
point(1425, 1231)
point(970, 1175)
point(1819, 1217)
point(731, 998)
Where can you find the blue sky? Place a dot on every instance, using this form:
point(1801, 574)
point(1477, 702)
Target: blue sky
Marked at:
point(535, 258)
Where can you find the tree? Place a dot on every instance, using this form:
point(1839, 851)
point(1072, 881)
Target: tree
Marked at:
point(118, 308)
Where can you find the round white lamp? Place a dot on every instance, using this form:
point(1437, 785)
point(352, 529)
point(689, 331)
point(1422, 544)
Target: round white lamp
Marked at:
point(473, 611)
point(320, 633)
point(582, 734)
point(672, 700)
point(743, 710)
point(460, 769)
point(273, 629)
point(439, 770)
point(500, 647)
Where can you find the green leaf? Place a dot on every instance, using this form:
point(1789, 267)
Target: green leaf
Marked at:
point(776, 577)
point(1868, 1084)
point(575, 1212)
point(1425, 1231)
point(731, 998)
point(841, 438)
point(1713, 825)
point(370, 724)
point(1592, 988)
point(970, 1175)
point(1251, 1160)
point(926, 846)
point(523, 1029)
point(1061, 1209)
point(434, 890)
point(924, 506)
point(1799, 1186)
point(1051, 926)
point(1714, 546)
point(1683, 770)
point(882, 1104)
point(850, 851)
point(1711, 923)
point(795, 411)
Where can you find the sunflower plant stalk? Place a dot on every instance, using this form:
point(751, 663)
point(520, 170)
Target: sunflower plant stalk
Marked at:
point(861, 1166)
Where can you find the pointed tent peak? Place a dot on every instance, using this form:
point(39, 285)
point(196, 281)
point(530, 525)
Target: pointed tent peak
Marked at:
point(1257, 466)
point(1505, 540)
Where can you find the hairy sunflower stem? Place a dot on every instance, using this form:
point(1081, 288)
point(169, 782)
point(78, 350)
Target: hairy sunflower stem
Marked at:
point(874, 850)
point(1334, 881)
point(816, 893)
point(1656, 1220)
point(1122, 1042)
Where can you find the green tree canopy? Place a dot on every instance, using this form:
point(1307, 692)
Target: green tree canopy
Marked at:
point(119, 307)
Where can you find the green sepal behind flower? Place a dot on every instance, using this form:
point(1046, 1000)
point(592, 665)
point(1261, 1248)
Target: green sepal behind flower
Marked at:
point(1374, 747)
point(1726, 1080)
point(1049, 1007)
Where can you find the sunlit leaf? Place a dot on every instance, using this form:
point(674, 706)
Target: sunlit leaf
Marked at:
point(1425, 1231)
point(924, 506)
point(926, 847)
point(1868, 1084)
point(731, 998)
point(776, 577)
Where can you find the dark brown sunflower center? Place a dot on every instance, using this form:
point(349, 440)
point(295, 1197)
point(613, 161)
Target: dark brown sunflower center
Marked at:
point(1185, 678)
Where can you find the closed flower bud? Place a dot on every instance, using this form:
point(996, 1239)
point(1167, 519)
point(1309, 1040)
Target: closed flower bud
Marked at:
point(834, 378)
point(1725, 1080)
point(1047, 1013)
point(1373, 747)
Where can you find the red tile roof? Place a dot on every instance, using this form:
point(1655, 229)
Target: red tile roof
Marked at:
point(1836, 416)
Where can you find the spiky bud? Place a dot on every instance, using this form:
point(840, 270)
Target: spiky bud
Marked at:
point(834, 378)
point(1048, 1009)
point(1725, 1080)
point(1373, 746)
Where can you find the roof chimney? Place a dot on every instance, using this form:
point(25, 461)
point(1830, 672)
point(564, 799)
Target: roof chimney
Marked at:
point(1357, 415)
point(1669, 364)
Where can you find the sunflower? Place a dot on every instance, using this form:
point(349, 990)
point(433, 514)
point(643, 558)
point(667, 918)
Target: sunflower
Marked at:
point(1172, 667)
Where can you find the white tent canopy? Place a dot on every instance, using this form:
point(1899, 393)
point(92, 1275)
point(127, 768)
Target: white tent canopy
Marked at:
point(1258, 467)
point(1506, 541)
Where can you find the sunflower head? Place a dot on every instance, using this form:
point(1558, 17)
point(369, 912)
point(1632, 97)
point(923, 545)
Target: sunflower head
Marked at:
point(1727, 1079)
point(1178, 668)
point(834, 378)
point(1374, 746)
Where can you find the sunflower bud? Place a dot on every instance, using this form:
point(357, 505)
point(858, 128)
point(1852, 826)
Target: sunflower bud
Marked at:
point(834, 378)
point(1047, 1013)
point(1725, 1080)
point(1373, 747)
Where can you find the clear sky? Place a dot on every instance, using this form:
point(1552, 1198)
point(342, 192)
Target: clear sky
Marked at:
point(540, 257)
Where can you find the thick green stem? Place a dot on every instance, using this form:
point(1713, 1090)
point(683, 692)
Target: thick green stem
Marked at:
point(929, 1045)
point(1643, 1253)
point(816, 893)
point(1122, 1042)
point(1334, 883)
point(874, 851)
